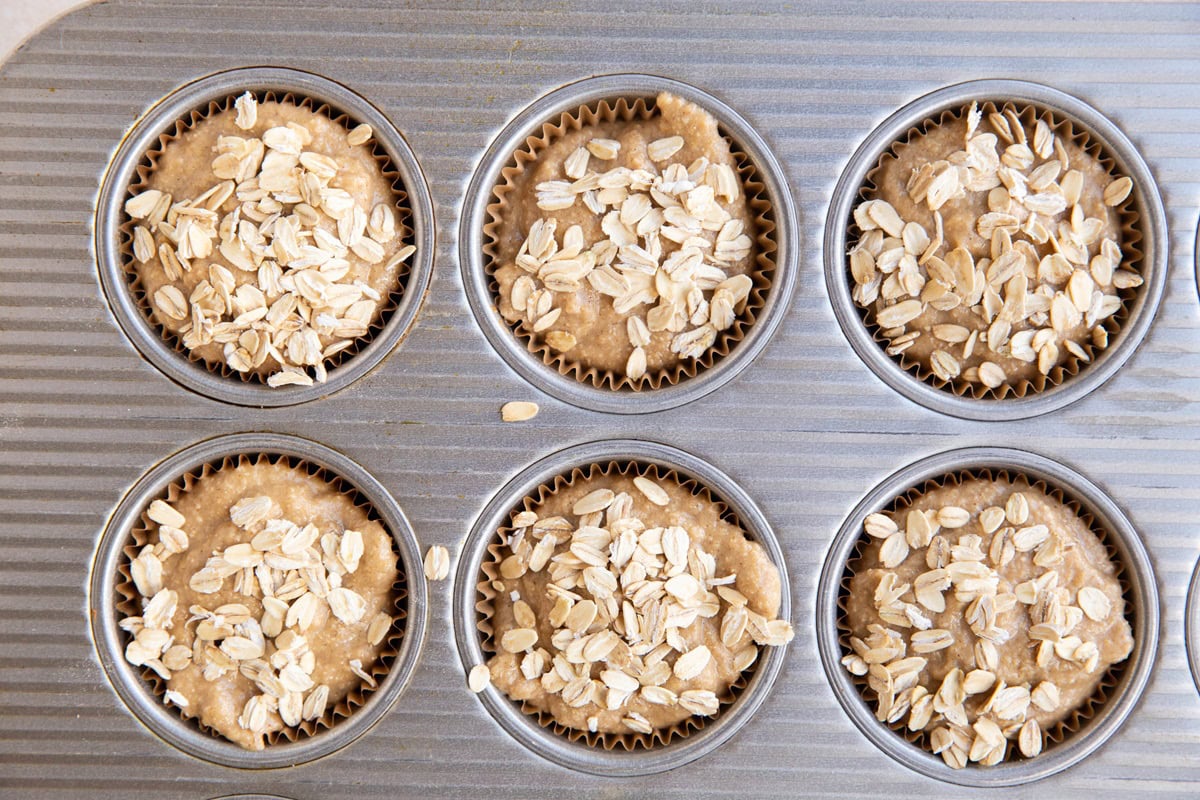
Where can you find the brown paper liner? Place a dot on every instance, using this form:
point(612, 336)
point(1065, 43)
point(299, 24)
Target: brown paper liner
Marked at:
point(388, 304)
point(491, 572)
point(1073, 722)
point(1131, 236)
point(128, 597)
point(609, 110)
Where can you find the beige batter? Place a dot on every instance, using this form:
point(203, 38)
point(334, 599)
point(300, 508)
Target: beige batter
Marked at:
point(959, 216)
point(184, 170)
point(303, 499)
point(589, 315)
point(1085, 563)
point(757, 579)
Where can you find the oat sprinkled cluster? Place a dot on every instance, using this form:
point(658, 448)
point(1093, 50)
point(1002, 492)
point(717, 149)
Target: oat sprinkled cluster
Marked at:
point(622, 595)
point(664, 259)
point(289, 240)
point(1045, 286)
point(292, 573)
point(972, 715)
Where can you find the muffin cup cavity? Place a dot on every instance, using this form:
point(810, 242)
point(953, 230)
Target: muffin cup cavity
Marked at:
point(1131, 237)
point(598, 753)
point(135, 161)
point(112, 596)
point(491, 571)
point(1143, 232)
point(1088, 727)
point(628, 98)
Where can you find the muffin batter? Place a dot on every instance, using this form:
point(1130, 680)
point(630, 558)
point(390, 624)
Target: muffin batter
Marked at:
point(627, 245)
point(632, 617)
point(985, 611)
point(266, 241)
point(990, 250)
point(256, 623)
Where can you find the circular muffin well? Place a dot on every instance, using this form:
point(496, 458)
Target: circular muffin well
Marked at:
point(631, 109)
point(390, 301)
point(127, 595)
point(1075, 720)
point(1131, 235)
point(486, 594)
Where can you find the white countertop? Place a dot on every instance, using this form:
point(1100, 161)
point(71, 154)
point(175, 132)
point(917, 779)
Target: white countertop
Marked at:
point(20, 18)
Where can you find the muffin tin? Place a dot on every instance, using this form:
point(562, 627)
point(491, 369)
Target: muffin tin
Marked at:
point(805, 429)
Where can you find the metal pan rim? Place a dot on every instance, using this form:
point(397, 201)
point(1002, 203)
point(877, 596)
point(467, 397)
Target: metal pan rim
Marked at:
point(500, 335)
point(1129, 162)
point(165, 722)
point(145, 337)
point(1191, 624)
point(1143, 587)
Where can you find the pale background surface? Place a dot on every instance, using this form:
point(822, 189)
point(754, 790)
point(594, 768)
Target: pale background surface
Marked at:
point(20, 18)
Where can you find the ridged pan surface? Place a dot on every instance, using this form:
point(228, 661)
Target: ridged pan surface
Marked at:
point(807, 430)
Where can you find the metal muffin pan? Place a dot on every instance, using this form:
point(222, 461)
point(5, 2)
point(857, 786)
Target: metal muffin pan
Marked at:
point(1144, 617)
point(525, 728)
point(498, 331)
point(808, 432)
point(1196, 253)
point(166, 721)
point(144, 136)
point(1192, 626)
point(1128, 162)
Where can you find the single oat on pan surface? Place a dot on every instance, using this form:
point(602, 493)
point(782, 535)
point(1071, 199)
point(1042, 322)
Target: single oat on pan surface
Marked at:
point(518, 411)
point(266, 239)
point(990, 251)
point(479, 678)
point(437, 563)
point(990, 626)
point(616, 610)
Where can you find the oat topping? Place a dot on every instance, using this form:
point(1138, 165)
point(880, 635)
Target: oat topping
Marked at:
point(360, 135)
point(479, 678)
point(294, 232)
point(437, 563)
point(1044, 288)
point(962, 584)
point(293, 571)
point(518, 411)
point(663, 262)
point(621, 594)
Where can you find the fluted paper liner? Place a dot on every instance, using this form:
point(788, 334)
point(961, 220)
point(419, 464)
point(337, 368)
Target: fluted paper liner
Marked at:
point(1131, 234)
point(629, 109)
point(1073, 722)
point(491, 571)
point(149, 161)
point(128, 596)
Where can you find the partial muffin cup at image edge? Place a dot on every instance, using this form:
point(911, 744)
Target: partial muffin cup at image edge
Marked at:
point(402, 207)
point(631, 109)
point(1132, 235)
point(1074, 722)
point(486, 593)
point(127, 596)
